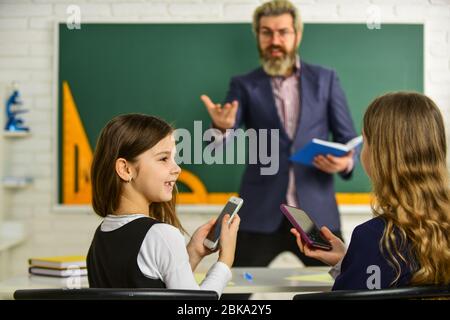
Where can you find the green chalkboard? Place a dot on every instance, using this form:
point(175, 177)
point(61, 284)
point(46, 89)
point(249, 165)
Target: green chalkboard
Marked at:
point(162, 69)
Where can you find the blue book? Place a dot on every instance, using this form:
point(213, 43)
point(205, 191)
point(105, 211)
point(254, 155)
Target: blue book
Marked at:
point(317, 147)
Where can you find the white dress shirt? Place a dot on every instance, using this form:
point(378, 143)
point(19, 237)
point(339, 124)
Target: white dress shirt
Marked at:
point(163, 255)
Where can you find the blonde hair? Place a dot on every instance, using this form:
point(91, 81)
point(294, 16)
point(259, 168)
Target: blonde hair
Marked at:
point(405, 134)
point(276, 8)
point(127, 136)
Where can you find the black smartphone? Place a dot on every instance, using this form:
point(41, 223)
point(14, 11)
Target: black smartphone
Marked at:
point(308, 230)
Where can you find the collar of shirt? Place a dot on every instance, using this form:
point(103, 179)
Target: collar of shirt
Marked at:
point(113, 222)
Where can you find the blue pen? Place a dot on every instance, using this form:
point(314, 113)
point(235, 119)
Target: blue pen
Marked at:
point(247, 276)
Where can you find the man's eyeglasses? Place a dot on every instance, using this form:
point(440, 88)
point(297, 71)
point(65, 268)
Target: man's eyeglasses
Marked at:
point(267, 34)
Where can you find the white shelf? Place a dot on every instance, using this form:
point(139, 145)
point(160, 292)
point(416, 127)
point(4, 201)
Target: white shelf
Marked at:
point(16, 134)
point(13, 182)
point(16, 182)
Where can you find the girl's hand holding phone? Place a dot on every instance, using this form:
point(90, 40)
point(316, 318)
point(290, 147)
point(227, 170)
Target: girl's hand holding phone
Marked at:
point(228, 236)
point(196, 250)
point(331, 257)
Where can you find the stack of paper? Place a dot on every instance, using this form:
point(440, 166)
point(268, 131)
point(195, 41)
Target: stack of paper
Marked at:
point(60, 266)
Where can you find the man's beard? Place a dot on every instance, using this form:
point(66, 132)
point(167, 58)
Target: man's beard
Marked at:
point(277, 66)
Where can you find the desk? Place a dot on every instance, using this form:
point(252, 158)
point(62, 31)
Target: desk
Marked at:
point(280, 280)
point(264, 280)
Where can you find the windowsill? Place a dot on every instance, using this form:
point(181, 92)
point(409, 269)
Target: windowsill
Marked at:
point(345, 210)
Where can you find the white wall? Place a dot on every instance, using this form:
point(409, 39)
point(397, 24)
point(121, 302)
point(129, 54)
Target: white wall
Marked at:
point(27, 54)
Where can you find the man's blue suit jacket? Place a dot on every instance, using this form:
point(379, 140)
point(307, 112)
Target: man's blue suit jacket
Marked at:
point(323, 110)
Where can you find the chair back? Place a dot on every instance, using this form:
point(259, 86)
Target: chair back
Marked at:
point(114, 294)
point(417, 292)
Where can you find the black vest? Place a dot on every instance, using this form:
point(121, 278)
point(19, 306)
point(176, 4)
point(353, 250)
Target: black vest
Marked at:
point(112, 257)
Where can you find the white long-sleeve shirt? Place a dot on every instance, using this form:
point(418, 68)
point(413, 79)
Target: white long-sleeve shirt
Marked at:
point(163, 255)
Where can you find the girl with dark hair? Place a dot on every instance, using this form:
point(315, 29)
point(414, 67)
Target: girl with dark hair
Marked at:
point(140, 243)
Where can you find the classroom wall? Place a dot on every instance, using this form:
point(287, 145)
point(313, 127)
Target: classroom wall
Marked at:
point(27, 56)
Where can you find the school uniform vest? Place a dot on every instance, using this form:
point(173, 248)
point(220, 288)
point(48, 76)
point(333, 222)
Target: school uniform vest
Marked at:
point(112, 257)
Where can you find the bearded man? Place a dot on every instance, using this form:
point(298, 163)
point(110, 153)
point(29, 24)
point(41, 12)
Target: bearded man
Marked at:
point(303, 102)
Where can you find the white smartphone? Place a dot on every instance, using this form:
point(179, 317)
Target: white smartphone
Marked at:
point(232, 207)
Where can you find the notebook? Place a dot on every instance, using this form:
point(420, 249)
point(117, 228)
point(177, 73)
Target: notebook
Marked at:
point(58, 262)
point(317, 147)
point(58, 272)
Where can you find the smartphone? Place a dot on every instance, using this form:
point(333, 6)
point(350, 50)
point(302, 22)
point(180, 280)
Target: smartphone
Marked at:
point(232, 207)
point(308, 230)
